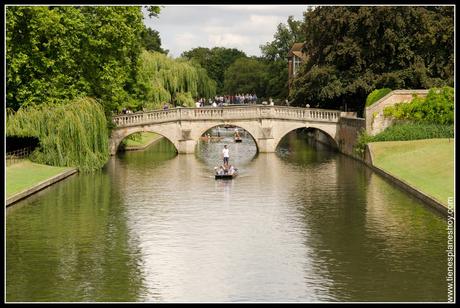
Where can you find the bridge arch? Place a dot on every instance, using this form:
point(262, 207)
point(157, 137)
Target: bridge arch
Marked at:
point(283, 130)
point(118, 136)
point(244, 126)
point(330, 141)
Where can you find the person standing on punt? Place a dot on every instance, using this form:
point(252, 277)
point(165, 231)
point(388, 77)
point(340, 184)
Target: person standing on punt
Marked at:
point(226, 155)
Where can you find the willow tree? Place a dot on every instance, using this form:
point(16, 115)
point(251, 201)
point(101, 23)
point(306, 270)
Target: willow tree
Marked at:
point(74, 134)
point(163, 79)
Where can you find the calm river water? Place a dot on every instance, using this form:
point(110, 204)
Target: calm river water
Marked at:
point(304, 224)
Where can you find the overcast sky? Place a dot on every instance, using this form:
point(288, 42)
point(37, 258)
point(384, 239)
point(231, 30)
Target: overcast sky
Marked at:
point(244, 27)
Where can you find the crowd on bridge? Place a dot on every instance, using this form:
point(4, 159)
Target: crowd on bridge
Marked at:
point(221, 100)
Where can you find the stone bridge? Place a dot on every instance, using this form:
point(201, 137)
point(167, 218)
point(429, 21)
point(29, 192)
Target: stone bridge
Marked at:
point(266, 124)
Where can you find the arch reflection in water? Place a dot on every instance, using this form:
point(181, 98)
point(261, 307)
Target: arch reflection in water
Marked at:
point(241, 154)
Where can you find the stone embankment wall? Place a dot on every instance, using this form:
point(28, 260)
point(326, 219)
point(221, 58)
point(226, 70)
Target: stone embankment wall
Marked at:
point(348, 132)
point(375, 121)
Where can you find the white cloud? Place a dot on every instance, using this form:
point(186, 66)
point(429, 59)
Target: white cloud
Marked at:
point(245, 27)
point(272, 9)
point(251, 8)
point(185, 39)
point(263, 20)
point(228, 39)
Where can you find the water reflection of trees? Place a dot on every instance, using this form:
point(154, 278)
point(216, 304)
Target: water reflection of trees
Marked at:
point(372, 241)
point(72, 244)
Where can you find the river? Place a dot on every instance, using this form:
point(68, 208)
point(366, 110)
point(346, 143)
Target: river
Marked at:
point(305, 224)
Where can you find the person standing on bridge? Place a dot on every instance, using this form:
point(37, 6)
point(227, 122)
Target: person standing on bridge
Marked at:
point(226, 155)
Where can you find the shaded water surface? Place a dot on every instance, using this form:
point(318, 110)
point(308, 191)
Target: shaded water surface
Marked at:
point(304, 224)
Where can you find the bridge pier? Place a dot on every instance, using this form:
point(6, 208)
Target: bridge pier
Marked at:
point(266, 145)
point(186, 146)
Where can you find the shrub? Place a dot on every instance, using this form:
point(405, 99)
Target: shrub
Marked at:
point(376, 95)
point(414, 131)
point(437, 107)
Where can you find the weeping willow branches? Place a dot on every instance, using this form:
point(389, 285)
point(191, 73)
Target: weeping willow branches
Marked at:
point(164, 79)
point(74, 134)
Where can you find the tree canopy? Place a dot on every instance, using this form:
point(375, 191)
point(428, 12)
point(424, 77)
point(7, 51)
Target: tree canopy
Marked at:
point(215, 61)
point(151, 40)
point(246, 75)
point(57, 53)
point(354, 50)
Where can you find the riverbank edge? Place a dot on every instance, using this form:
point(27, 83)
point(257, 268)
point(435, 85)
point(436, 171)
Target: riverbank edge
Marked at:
point(143, 147)
point(428, 200)
point(36, 188)
point(59, 177)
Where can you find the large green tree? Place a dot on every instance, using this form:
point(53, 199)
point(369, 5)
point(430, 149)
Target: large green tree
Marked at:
point(57, 53)
point(247, 75)
point(353, 50)
point(151, 40)
point(215, 61)
point(43, 55)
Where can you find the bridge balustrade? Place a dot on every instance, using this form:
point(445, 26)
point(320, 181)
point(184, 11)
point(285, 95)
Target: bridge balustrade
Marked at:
point(227, 113)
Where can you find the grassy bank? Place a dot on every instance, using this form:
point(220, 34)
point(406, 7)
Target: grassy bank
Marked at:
point(145, 138)
point(27, 174)
point(427, 164)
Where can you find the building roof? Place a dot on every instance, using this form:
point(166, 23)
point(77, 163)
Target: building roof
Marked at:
point(297, 46)
point(296, 49)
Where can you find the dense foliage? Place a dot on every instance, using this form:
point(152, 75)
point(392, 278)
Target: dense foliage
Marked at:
point(215, 61)
point(162, 79)
point(437, 107)
point(277, 81)
point(151, 40)
point(246, 75)
point(73, 134)
point(376, 95)
point(57, 53)
point(353, 50)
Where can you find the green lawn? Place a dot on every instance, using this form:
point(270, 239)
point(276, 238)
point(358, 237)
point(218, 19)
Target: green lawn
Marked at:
point(146, 137)
point(427, 164)
point(26, 174)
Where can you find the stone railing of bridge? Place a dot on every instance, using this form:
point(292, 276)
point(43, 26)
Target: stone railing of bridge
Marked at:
point(227, 114)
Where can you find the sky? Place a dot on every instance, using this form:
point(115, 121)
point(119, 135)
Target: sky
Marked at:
point(244, 27)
